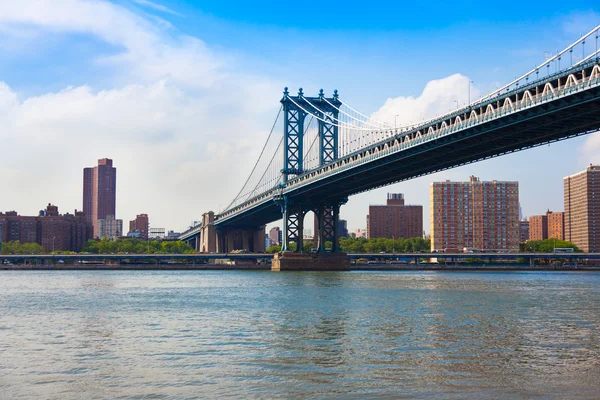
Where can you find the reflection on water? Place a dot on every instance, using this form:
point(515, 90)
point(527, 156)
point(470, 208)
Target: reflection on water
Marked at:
point(73, 335)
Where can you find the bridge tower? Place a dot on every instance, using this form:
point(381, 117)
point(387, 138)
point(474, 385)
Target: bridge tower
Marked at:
point(326, 111)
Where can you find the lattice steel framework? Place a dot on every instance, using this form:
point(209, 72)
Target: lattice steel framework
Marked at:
point(293, 224)
point(295, 109)
point(328, 216)
point(328, 128)
point(293, 131)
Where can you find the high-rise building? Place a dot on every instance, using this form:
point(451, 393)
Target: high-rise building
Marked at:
point(475, 214)
point(342, 228)
point(538, 227)
point(523, 230)
point(99, 192)
point(556, 225)
point(582, 209)
point(547, 226)
point(395, 219)
point(140, 224)
point(275, 235)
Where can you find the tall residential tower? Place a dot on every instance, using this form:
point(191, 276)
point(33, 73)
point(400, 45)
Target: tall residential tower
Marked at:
point(99, 192)
point(475, 214)
point(582, 208)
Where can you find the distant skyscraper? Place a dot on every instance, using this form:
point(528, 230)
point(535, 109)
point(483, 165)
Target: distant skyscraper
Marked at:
point(582, 208)
point(275, 234)
point(342, 228)
point(476, 214)
point(99, 192)
point(523, 230)
point(395, 219)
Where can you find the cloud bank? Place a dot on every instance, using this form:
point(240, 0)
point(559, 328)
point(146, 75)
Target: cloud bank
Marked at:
point(181, 124)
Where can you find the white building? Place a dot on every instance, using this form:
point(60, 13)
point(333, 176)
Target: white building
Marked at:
point(110, 227)
point(157, 233)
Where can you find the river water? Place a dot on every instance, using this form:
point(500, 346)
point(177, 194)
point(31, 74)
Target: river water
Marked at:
point(258, 334)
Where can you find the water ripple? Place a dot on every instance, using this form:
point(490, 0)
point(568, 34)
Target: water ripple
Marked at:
point(255, 334)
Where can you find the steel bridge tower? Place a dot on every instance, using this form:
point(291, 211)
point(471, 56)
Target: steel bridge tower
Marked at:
point(326, 110)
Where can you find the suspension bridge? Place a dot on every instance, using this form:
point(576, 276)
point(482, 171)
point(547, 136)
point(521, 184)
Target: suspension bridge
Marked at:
point(320, 150)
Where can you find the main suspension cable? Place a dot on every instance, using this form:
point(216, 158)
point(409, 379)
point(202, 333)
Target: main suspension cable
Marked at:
point(258, 160)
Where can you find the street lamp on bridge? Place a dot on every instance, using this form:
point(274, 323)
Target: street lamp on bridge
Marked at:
point(470, 81)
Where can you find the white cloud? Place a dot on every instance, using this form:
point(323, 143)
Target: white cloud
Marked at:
point(438, 97)
point(156, 6)
point(167, 123)
point(590, 150)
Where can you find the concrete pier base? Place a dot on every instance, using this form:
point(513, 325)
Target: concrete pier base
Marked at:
point(290, 261)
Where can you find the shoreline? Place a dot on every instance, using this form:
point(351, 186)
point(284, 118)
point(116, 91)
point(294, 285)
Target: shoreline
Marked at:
point(223, 267)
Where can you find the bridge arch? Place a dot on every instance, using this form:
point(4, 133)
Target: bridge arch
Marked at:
point(548, 88)
point(595, 72)
point(571, 81)
point(474, 115)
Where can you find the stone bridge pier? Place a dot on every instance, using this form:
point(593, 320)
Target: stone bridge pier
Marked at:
point(327, 216)
point(251, 240)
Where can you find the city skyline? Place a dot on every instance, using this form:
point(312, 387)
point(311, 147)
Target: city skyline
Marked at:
point(148, 79)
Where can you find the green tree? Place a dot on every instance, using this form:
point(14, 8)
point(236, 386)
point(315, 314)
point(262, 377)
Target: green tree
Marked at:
point(546, 245)
point(136, 246)
point(273, 249)
point(16, 247)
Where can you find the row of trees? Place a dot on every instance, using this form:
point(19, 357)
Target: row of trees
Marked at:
point(362, 245)
point(16, 247)
point(546, 245)
point(378, 245)
point(105, 246)
point(413, 245)
point(348, 245)
point(136, 246)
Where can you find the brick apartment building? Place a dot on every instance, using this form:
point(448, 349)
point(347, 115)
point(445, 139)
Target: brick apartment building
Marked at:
point(395, 219)
point(140, 224)
point(538, 227)
point(548, 226)
point(582, 208)
point(53, 231)
point(99, 192)
point(475, 214)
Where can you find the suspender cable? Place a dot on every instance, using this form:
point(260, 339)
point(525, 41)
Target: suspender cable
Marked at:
point(259, 157)
point(321, 119)
point(362, 115)
point(379, 127)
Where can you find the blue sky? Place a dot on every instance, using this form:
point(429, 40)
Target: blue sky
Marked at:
point(181, 94)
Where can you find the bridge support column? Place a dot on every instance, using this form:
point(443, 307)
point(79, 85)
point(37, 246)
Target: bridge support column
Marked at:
point(293, 225)
point(327, 218)
point(251, 240)
point(208, 235)
point(220, 241)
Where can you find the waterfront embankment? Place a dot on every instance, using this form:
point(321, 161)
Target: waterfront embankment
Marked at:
point(267, 267)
